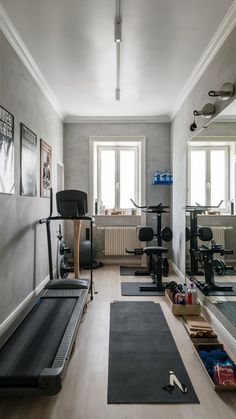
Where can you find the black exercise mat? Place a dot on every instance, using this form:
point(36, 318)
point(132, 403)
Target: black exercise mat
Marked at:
point(141, 353)
point(228, 309)
point(130, 270)
point(131, 289)
point(221, 293)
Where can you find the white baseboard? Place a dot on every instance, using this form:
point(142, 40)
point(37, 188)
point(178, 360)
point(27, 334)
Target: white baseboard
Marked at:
point(10, 319)
point(177, 271)
point(121, 261)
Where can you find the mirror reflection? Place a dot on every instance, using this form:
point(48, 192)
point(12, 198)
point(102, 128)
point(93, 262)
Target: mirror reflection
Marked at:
point(211, 214)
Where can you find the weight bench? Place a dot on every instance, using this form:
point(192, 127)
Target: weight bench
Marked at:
point(157, 265)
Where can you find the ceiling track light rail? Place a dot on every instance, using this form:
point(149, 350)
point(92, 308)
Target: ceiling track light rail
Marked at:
point(118, 39)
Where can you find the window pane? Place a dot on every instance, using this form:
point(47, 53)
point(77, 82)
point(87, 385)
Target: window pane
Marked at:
point(127, 177)
point(197, 177)
point(108, 178)
point(218, 177)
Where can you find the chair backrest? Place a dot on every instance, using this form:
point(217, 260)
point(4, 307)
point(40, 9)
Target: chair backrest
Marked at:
point(145, 234)
point(72, 203)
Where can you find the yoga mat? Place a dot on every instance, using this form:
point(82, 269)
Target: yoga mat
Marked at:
point(131, 289)
point(130, 270)
point(221, 293)
point(141, 353)
point(228, 309)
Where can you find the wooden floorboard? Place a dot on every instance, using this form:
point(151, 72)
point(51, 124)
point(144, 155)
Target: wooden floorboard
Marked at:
point(84, 393)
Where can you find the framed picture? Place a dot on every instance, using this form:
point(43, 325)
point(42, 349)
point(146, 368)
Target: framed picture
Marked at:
point(45, 169)
point(7, 181)
point(28, 161)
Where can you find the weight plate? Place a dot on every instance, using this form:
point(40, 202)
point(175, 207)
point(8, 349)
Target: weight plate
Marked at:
point(218, 267)
point(205, 234)
point(166, 234)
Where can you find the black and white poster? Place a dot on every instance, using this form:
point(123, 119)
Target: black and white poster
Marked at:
point(7, 182)
point(45, 169)
point(28, 162)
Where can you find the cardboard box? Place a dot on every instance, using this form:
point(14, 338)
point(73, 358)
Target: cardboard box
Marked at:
point(182, 310)
point(201, 347)
point(202, 334)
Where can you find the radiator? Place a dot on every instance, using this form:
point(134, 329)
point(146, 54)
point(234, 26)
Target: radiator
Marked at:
point(117, 239)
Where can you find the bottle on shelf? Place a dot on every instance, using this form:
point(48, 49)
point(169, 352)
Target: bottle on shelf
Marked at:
point(191, 296)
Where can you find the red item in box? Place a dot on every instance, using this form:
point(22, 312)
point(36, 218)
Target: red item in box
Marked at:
point(224, 375)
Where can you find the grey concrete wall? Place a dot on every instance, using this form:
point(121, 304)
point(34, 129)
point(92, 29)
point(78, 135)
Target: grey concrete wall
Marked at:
point(222, 69)
point(76, 157)
point(23, 252)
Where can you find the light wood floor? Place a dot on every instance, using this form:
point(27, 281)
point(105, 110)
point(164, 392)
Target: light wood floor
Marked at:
point(84, 393)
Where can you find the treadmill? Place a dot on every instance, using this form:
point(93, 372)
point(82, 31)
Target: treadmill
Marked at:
point(35, 350)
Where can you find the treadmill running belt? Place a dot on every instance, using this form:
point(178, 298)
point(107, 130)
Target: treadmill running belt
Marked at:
point(34, 344)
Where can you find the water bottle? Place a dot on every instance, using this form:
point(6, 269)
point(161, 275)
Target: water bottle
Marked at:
point(156, 178)
point(192, 294)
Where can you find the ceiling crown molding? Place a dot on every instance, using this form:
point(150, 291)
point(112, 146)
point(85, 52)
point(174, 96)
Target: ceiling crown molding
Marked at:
point(20, 48)
point(225, 118)
point(226, 26)
point(116, 119)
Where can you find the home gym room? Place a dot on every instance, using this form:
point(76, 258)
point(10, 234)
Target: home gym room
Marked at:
point(118, 217)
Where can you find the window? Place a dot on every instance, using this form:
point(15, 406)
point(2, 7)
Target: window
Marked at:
point(117, 171)
point(209, 175)
point(117, 176)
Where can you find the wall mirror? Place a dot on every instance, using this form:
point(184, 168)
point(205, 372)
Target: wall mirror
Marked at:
point(211, 215)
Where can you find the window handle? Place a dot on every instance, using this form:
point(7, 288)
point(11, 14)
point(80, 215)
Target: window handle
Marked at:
point(208, 185)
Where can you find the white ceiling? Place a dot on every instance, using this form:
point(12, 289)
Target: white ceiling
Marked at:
point(72, 42)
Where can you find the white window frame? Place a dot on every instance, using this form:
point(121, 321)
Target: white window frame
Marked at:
point(208, 149)
point(117, 150)
point(120, 142)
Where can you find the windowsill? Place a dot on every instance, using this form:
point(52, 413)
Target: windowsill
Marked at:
point(116, 216)
point(217, 215)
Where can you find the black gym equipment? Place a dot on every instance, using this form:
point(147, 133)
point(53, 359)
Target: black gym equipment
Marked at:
point(64, 257)
point(194, 232)
point(71, 205)
point(204, 254)
point(146, 234)
point(85, 254)
point(210, 268)
point(158, 265)
point(35, 350)
point(65, 260)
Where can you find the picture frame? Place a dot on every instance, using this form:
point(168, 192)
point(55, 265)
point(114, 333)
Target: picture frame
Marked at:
point(45, 169)
point(7, 175)
point(28, 153)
